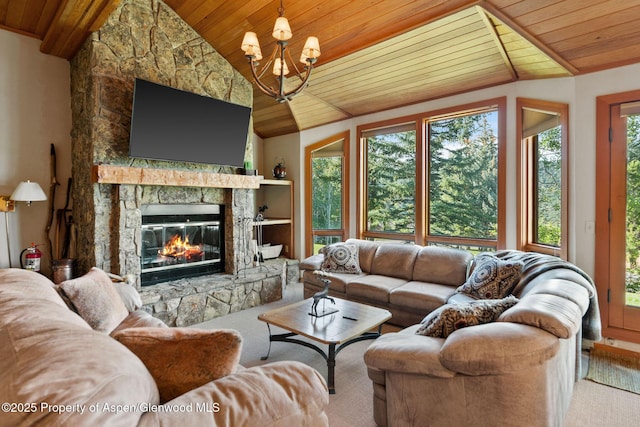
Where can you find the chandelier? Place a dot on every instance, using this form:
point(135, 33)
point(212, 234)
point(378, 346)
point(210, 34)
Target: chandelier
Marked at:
point(277, 61)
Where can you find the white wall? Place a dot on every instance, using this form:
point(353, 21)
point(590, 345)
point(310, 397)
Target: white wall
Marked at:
point(34, 113)
point(579, 92)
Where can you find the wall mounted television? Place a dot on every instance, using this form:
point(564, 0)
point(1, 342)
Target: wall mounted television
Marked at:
point(174, 125)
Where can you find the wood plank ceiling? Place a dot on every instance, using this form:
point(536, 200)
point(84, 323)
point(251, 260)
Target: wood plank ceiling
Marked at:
point(378, 54)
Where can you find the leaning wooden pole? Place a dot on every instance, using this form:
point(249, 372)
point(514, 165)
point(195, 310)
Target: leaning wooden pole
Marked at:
point(52, 194)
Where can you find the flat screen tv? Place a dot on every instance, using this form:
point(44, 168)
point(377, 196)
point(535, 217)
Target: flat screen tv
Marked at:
point(174, 125)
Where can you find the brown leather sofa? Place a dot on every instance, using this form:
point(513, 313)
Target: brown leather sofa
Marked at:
point(56, 369)
point(517, 371)
point(408, 280)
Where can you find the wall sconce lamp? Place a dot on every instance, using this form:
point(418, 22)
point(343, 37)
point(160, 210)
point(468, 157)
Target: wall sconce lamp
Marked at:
point(26, 191)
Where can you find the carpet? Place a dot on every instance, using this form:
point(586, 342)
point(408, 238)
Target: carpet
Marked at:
point(615, 370)
point(593, 404)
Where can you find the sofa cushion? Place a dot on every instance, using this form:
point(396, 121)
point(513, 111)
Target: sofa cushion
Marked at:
point(446, 266)
point(341, 258)
point(338, 281)
point(181, 359)
point(138, 319)
point(96, 300)
point(421, 296)
point(129, 296)
point(491, 278)
point(366, 252)
point(445, 320)
point(374, 287)
point(395, 260)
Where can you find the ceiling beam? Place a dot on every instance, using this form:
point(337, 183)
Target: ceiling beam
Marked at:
point(73, 22)
point(530, 38)
point(496, 38)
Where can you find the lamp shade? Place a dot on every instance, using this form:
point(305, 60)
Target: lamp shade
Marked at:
point(277, 67)
point(281, 29)
point(251, 46)
point(311, 48)
point(28, 191)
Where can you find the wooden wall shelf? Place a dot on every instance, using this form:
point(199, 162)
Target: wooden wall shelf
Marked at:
point(108, 174)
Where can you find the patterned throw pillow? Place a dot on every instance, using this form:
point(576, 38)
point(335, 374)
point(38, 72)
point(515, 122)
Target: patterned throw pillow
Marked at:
point(341, 258)
point(492, 278)
point(450, 317)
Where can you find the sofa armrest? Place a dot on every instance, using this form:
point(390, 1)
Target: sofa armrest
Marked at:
point(276, 394)
point(314, 262)
point(408, 353)
point(181, 359)
point(497, 348)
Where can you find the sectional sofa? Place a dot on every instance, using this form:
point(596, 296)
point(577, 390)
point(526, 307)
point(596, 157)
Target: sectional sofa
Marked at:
point(516, 368)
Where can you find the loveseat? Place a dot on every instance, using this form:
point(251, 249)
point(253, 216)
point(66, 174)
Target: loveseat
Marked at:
point(517, 368)
point(122, 367)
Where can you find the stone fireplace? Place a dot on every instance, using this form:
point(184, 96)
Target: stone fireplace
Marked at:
point(146, 39)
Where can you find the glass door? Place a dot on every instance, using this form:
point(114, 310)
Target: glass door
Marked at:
point(625, 216)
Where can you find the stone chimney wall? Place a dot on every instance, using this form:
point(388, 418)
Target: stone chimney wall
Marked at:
point(145, 39)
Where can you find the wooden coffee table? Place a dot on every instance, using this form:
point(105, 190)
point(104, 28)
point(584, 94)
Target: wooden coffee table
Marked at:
point(352, 322)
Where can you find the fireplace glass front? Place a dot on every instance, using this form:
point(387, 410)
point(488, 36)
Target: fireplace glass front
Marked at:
point(180, 241)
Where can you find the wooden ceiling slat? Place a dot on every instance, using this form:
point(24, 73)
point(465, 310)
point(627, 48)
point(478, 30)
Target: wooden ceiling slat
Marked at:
point(628, 41)
point(604, 21)
point(556, 9)
point(422, 52)
point(600, 40)
point(427, 64)
point(346, 98)
point(15, 13)
point(515, 9)
point(584, 15)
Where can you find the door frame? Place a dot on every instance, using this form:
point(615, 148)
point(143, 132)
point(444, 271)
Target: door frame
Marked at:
point(602, 261)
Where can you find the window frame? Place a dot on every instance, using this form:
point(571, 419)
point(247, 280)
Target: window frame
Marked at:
point(526, 181)
point(421, 120)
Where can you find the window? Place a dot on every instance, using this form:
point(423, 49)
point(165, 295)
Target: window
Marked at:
point(542, 174)
point(463, 177)
point(389, 182)
point(327, 192)
point(435, 178)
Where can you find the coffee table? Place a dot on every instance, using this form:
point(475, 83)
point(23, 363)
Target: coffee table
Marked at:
point(352, 322)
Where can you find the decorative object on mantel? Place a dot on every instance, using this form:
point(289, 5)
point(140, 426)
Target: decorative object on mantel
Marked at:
point(280, 170)
point(248, 169)
point(282, 33)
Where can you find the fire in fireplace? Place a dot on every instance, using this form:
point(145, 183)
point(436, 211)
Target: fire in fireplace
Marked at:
point(180, 241)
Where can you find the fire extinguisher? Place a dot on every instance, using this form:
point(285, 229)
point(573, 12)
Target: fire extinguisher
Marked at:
point(32, 258)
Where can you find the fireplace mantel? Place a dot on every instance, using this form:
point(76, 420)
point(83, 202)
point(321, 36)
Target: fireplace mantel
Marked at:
point(109, 174)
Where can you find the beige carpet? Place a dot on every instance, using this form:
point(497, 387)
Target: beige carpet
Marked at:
point(593, 405)
point(615, 370)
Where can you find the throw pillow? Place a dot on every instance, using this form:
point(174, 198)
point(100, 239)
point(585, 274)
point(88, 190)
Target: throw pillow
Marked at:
point(450, 317)
point(129, 295)
point(491, 278)
point(182, 359)
point(341, 258)
point(96, 300)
